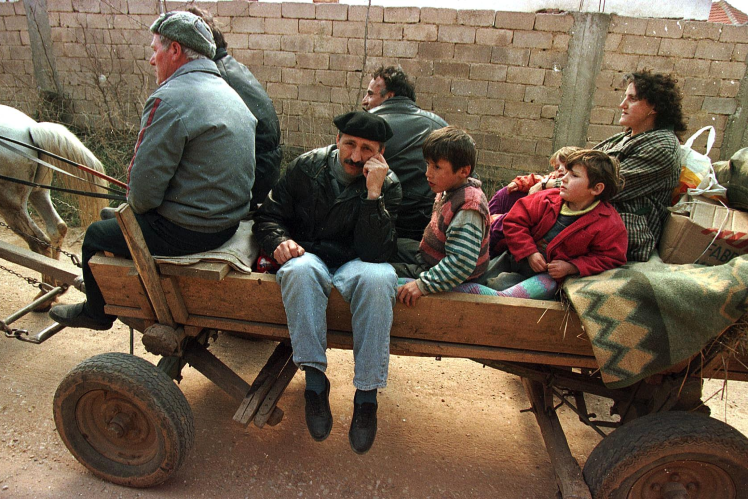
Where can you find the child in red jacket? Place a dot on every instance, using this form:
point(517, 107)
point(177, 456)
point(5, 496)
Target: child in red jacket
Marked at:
point(522, 186)
point(571, 230)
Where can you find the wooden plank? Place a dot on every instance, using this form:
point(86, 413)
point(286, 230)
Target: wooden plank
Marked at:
point(143, 261)
point(175, 301)
point(34, 261)
point(405, 346)
point(263, 383)
point(568, 473)
point(219, 373)
point(120, 284)
point(211, 298)
point(209, 271)
point(271, 399)
point(409, 346)
point(137, 313)
point(471, 319)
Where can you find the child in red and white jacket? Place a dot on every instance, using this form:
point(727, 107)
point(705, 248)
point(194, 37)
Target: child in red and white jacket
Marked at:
point(521, 186)
point(571, 230)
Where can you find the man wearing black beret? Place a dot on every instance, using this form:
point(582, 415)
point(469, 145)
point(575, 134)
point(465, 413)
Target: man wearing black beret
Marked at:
point(330, 221)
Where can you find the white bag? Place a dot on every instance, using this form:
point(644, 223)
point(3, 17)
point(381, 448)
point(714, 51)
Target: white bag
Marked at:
point(697, 175)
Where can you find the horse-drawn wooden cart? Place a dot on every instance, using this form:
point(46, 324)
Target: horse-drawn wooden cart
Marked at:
point(126, 421)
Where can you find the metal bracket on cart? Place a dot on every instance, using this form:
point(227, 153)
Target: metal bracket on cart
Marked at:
point(49, 267)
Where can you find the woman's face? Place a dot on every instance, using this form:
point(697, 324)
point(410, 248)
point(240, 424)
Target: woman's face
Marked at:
point(637, 114)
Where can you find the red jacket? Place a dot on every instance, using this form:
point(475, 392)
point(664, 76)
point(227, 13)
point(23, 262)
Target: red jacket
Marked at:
point(596, 242)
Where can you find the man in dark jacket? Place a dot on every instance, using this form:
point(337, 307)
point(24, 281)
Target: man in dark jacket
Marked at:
point(392, 96)
point(330, 221)
point(268, 152)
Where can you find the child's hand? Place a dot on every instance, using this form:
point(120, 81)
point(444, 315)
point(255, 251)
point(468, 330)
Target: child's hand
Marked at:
point(511, 187)
point(558, 269)
point(535, 188)
point(537, 262)
point(409, 293)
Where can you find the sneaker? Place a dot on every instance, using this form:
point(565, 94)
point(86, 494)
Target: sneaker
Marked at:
point(363, 427)
point(75, 316)
point(318, 414)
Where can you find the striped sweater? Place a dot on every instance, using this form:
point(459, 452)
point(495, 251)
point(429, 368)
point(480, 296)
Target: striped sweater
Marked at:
point(455, 243)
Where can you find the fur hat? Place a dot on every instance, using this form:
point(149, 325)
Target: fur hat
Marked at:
point(363, 124)
point(187, 29)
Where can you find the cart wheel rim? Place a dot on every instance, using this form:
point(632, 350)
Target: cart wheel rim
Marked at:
point(116, 427)
point(684, 480)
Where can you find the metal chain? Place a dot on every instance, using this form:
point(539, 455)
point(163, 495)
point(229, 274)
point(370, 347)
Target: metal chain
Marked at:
point(13, 332)
point(73, 257)
point(30, 280)
point(66, 205)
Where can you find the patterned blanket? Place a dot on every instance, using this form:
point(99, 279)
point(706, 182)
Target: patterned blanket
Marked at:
point(645, 317)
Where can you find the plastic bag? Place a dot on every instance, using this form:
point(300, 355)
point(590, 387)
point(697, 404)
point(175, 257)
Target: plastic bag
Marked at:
point(695, 167)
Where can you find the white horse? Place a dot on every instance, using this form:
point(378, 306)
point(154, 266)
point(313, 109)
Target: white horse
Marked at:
point(14, 197)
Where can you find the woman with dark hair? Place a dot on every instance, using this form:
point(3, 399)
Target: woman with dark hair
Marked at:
point(648, 152)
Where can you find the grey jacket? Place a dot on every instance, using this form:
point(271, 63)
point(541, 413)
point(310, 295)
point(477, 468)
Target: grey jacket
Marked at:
point(194, 160)
point(268, 152)
point(411, 125)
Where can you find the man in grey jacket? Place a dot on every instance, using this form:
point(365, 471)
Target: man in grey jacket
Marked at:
point(392, 96)
point(190, 178)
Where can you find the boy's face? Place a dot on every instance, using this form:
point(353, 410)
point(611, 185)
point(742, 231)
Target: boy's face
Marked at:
point(441, 177)
point(575, 188)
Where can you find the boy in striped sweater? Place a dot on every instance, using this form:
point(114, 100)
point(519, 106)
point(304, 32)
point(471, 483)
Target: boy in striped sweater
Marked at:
point(454, 248)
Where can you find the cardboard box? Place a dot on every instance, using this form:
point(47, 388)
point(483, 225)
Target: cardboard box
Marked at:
point(711, 234)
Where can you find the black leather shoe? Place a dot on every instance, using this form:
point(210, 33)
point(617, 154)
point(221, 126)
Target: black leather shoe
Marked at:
point(318, 414)
point(74, 316)
point(363, 427)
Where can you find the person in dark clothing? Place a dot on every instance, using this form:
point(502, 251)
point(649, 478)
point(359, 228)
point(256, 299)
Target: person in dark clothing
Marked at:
point(268, 151)
point(330, 221)
point(392, 96)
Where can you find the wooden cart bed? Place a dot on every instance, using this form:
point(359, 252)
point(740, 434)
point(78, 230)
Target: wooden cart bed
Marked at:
point(211, 295)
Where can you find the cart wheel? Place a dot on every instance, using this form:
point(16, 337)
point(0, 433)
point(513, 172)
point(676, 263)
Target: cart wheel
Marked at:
point(678, 455)
point(124, 420)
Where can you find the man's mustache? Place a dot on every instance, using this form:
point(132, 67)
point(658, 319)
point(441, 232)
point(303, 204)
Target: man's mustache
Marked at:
point(357, 164)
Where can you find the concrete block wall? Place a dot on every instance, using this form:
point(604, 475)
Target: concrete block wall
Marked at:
point(708, 59)
point(17, 85)
point(496, 74)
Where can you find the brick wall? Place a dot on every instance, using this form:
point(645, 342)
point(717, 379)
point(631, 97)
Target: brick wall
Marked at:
point(17, 86)
point(496, 74)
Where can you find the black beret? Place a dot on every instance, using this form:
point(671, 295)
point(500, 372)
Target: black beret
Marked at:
point(365, 125)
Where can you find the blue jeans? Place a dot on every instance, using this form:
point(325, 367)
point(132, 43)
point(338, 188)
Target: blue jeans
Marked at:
point(370, 288)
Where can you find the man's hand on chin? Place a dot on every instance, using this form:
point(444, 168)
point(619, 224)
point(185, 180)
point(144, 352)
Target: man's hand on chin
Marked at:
point(375, 171)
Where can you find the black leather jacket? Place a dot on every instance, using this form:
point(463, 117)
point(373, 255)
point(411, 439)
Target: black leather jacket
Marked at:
point(303, 206)
point(403, 152)
point(268, 152)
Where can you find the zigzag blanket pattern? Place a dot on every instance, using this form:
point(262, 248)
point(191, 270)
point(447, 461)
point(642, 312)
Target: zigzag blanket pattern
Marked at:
point(645, 317)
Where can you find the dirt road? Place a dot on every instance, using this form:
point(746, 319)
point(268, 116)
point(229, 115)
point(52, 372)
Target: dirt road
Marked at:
point(447, 429)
